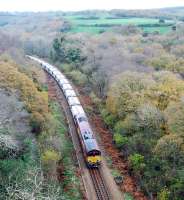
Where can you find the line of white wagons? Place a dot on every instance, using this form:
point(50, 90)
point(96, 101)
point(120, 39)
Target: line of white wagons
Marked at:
point(89, 145)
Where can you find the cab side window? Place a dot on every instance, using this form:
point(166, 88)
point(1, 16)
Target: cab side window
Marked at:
point(82, 119)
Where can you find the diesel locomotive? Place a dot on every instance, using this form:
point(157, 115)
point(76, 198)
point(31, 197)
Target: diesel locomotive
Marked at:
point(90, 148)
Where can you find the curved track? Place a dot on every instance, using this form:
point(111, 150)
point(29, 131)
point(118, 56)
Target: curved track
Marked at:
point(95, 183)
point(95, 174)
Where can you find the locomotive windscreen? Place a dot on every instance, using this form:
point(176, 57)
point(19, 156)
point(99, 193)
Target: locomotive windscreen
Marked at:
point(91, 145)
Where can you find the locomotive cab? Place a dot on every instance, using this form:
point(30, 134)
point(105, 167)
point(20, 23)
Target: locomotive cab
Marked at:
point(93, 158)
point(81, 118)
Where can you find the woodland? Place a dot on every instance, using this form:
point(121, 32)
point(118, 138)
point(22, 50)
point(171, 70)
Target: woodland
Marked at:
point(134, 79)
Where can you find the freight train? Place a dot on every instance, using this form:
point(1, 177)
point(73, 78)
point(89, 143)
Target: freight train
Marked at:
point(91, 151)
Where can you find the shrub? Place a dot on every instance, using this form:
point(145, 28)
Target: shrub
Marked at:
point(12, 165)
point(108, 118)
point(49, 162)
point(120, 141)
point(127, 93)
point(50, 156)
point(78, 77)
point(170, 148)
point(175, 117)
point(119, 128)
point(137, 162)
point(163, 194)
point(97, 101)
point(66, 67)
point(73, 55)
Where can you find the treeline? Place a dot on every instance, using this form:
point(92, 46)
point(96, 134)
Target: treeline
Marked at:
point(36, 171)
point(146, 117)
point(165, 13)
point(36, 102)
point(32, 37)
point(72, 60)
point(144, 111)
point(116, 25)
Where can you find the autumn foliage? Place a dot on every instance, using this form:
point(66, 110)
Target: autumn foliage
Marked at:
point(149, 129)
point(36, 102)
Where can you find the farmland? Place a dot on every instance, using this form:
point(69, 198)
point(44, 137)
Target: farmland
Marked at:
point(95, 25)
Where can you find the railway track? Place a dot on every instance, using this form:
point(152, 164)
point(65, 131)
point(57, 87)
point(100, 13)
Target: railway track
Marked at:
point(99, 185)
point(95, 174)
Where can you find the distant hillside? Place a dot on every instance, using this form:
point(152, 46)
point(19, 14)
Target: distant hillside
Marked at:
point(167, 13)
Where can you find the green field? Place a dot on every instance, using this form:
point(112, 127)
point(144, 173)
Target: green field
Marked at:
point(161, 30)
point(80, 24)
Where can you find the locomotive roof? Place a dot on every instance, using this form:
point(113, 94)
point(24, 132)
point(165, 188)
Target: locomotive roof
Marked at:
point(87, 135)
point(85, 128)
point(91, 145)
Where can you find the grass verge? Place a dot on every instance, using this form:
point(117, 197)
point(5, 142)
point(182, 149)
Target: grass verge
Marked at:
point(71, 182)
